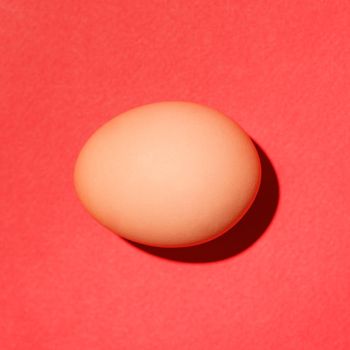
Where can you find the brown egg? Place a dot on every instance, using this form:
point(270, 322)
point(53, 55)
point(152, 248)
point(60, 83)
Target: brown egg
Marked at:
point(168, 174)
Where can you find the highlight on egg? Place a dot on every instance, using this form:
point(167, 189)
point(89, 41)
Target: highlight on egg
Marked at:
point(168, 174)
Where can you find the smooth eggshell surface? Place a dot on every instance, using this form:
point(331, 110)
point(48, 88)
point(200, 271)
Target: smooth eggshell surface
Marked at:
point(168, 174)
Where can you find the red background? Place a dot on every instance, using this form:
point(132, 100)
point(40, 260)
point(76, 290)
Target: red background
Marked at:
point(281, 279)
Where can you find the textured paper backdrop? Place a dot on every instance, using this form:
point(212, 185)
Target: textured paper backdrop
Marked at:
point(281, 280)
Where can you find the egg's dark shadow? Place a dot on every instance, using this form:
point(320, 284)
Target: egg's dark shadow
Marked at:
point(243, 235)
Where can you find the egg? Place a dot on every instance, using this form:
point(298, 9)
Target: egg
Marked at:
point(168, 174)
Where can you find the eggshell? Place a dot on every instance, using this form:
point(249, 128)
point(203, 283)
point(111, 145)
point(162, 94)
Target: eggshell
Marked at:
point(168, 174)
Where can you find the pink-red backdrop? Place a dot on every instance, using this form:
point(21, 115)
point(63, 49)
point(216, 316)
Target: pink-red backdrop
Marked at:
point(279, 68)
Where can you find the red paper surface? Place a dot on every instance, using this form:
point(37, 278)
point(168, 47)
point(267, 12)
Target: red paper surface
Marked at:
point(281, 279)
